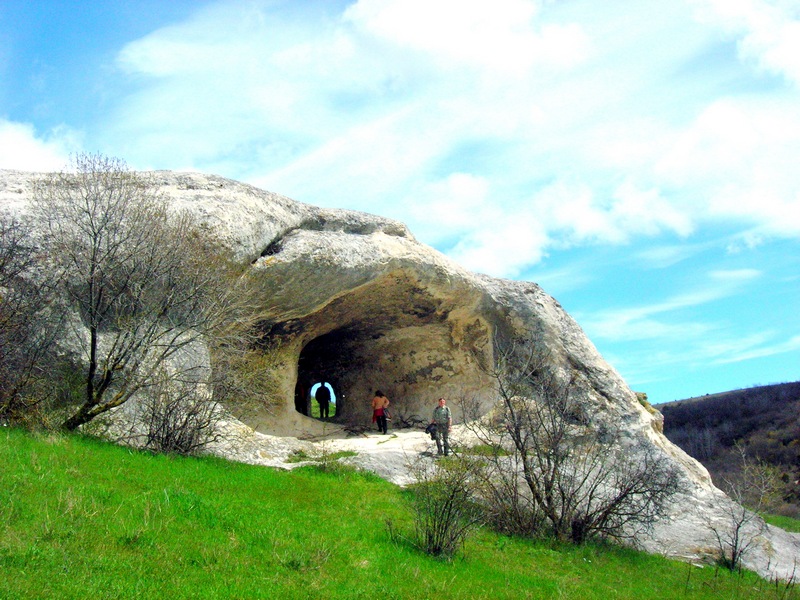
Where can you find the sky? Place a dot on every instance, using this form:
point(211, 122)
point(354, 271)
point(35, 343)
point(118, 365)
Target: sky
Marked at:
point(638, 160)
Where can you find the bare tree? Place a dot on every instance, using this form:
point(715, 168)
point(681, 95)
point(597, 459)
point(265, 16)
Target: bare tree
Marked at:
point(28, 323)
point(551, 467)
point(147, 286)
point(753, 490)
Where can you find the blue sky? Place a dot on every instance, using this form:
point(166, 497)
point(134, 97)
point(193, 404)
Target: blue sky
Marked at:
point(637, 159)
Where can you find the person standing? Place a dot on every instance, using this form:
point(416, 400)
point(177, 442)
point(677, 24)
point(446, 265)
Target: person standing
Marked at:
point(443, 420)
point(323, 397)
point(380, 404)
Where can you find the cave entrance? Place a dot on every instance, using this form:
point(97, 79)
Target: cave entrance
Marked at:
point(323, 405)
point(320, 376)
point(317, 397)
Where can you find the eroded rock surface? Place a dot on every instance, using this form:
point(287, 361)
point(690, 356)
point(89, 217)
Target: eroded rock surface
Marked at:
point(357, 302)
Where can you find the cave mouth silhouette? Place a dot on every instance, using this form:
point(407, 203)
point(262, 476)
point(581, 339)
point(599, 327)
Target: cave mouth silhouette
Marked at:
point(309, 399)
point(323, 401)
point(397, 335)
point(320, 365)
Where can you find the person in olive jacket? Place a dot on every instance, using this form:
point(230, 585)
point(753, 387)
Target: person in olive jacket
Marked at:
point(443, 421)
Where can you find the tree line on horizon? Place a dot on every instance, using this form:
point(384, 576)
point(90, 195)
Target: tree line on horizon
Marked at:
point(762, 421)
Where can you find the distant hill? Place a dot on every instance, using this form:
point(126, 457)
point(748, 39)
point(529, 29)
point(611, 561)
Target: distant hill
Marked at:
point(765, 419)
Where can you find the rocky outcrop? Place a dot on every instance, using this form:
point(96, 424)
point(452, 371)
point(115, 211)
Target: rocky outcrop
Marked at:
point(357, 302)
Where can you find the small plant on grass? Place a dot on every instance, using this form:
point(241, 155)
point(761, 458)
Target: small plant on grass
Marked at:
point(179, 419)
point(327, 461)
point(444, 510)
point(299, 456)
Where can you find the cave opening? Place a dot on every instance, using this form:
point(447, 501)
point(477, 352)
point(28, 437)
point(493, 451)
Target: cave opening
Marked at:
point(325, 397)
point(321, 371)
point(394, 336)
point(318, 397)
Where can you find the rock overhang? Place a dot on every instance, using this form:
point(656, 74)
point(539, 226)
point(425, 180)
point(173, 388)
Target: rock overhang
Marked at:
point(373, 321)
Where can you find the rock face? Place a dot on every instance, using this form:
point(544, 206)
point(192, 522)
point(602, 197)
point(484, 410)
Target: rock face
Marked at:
point(357, 302)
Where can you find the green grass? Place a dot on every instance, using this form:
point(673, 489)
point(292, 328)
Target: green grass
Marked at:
point(484, 450)
point(787, 523)
point(84, 519)
point(314, 406)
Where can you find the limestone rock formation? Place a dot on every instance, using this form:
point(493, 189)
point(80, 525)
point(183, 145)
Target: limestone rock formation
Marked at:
point(357, 302)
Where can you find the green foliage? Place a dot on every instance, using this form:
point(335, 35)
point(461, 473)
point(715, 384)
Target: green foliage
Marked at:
point(487, 450)
point(303, 456)
point(81, 518)
point(299, 456)
point(642, 398)
point(444, 509)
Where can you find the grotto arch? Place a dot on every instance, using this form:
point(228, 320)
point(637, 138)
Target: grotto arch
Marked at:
point(397, 335)
point(318, 365)
point(325, 397)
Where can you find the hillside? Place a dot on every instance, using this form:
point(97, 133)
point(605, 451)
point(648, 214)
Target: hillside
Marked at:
point(324, 296)
point(81, 518)
point(764, 419)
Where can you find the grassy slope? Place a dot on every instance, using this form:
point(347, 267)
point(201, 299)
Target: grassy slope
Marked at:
point(80, 518)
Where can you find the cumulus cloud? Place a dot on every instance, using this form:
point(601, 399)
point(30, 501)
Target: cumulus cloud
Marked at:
point(495, 134)
point(768, 31)
point(739, 155)
point(450, 207)
point(585, 216)
point(504, 247)
point(22, 149)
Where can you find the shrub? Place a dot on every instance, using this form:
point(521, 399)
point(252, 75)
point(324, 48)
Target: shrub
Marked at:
point(554, 467)
point(444, 510)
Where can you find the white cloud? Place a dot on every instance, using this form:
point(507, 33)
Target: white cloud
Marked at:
point(758, 347)
point(769, 31)
point(735, 276)
point(653, 321)
point(503, 247)
point(738, 156)
point(702, 347)
point(450, 207)
point(21, 149)
point(584, 216)
point(549, 124)
point(661, 257)
point(464, 32)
